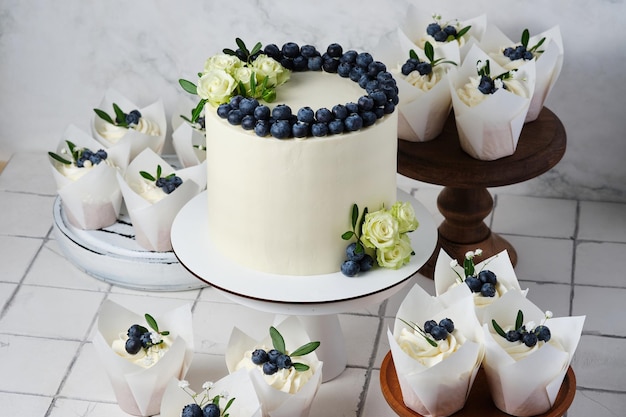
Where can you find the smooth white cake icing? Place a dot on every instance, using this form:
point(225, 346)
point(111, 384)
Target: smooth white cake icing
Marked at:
point(280, 206)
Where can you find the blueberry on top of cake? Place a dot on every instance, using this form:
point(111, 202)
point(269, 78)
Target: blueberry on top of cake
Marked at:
point(241, 84)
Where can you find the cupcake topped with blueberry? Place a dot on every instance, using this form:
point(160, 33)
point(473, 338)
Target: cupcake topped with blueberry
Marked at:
point(440, 31)
point(116, 127)
point(425, 73)
point(142, 345)
point(431, 342)
point(156, 187)
point(74, 161)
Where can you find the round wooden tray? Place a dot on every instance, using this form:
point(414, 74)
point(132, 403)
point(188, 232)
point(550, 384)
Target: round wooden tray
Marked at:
point(479, 402)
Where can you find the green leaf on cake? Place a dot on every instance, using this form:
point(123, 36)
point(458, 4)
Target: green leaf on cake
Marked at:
point(305, 349)
point(58, 158)
point(104, 116)
point(188, 86)
point(277, 340)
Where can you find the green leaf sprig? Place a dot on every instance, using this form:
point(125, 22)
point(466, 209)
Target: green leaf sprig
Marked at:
point(120, 116)
point(242, 52)
point(485, 70)
point(416, 328)
point(153, 178)
point(356, 231)
point(154, 326)
point(459, 33)
point(279, 344)
point(206, 399)
point(519, 322)
point(526, 38)
point(74, 152)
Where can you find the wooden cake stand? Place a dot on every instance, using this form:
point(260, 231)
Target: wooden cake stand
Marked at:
point(479, 403)
point(465, 201)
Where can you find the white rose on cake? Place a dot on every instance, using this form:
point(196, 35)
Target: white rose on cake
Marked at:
point(216, 86)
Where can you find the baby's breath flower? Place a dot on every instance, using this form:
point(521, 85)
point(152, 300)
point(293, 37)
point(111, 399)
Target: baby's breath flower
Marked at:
point(469, 254)
point(549, 314)
point(183, 384)
point(454, 263)
point(155, 338)
point(498, 83)
point(207, 385)
point(478, 252)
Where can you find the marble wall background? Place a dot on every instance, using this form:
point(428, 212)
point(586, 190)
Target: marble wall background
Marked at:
point(58, 58)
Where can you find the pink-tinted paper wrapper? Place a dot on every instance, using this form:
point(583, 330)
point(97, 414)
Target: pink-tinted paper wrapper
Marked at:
point(236, 385)
point(491, 129)
point(152, 222)
point(276, 403)
point(94, 200)
point(447, 280)
point(529, 386)
point(548, 64)
point(139, 390)
point(442, 389)
point(138, 141)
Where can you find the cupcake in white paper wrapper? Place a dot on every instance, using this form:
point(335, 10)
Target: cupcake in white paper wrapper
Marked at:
point(139, 380)
point(546, 48)
point(489, 125)
point(85, 175)
point(435, 380)
point(289, 392)
point(142, 128)
point(415, 31)
point(188, 138)
point(152, 208)
point(424, 92)
point(236, 389)
point(523, 380)
point(496, 273)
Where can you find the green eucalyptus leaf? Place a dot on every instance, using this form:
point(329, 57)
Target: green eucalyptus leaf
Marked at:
point(70, 145)
point(195, 113)
point(241, 45)
point(58, 158)
point(300, 367)
point(359, 247)
point(355, 215)
point(228, 404)
point(347, 235)
point(228, 51)
point(269, 96)
point(159, 171)
point(429, 51)
point(120, 116)
point(497, 328)
point(305, 349)
point(519, 320)
point(185, 118)
point(152, 322)
point(413, 54)
point(188, 86)
point(147, 176)
point(104, 116)
point(365, 211)
point(253, 84)
point(525, 37)
point(256, 48)
point(463, 31)
point(277, 340)
point(165, 333)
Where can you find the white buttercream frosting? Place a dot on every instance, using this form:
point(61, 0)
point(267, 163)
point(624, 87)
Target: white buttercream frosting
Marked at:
point(114, 133)
point(145, 357)
point(148, 190)
point(286, 380)
point(421, 42)
point(416, 346)
point(73, 172)
point(479, 299)
point(425, 82)
point(518, 350)
point(472, 96)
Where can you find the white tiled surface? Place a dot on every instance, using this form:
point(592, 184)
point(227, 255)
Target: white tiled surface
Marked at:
point(571, 256)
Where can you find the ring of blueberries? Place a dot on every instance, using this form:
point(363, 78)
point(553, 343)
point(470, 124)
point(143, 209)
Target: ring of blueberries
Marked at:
point(483, 283)
point(271, 360)
point(281, 122)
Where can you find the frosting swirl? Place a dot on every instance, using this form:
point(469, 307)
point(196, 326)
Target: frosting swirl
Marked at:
point(114, 133)
point(471, 96)
point(425, 82)
point(416, 346)
point(518, 350)
point(145, 357)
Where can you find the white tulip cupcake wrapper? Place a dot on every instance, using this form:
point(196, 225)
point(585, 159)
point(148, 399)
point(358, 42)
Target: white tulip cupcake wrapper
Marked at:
point(490, 130)
point(94, 200)
point(236, 385)
point(548, 64)
point(185, 138)
point(442, 389)
point(276, 403)
point(152, 222)
point(138, 141)
point(418, 19)
point(139, 390)
point(447, 281)
point(529, 386)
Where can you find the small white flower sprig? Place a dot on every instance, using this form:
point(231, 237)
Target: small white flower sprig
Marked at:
point(522, 51)
point(384, 231)
point(445, 31)
point(529, 334)
point(489, 84)
point(483, 281)
point(203, 404)
point(249, 73)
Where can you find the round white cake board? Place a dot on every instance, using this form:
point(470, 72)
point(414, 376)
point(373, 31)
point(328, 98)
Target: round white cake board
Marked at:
point(112, 255)
point(316, 298)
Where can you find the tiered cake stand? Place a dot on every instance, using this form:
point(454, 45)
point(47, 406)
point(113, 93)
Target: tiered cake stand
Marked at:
point(465, 201)
point(315, 299)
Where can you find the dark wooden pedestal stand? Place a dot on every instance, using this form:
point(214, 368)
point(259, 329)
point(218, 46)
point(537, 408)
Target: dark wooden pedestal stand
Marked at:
point(465, 201)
